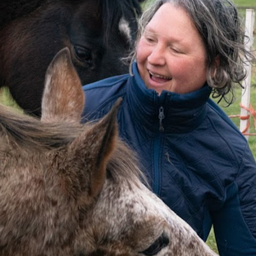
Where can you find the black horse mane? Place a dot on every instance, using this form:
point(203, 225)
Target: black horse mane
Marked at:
point(111, 10)
point(12, 9)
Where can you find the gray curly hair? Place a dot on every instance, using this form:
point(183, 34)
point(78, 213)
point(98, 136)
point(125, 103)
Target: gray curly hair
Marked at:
point(221, 29)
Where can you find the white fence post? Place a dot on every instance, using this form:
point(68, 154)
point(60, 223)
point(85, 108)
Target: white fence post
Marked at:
point(245, 101)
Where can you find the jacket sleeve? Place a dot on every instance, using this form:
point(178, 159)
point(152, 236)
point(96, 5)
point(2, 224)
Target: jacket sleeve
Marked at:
point(235, 222)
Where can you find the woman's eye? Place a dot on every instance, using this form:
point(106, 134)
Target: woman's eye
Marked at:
point(149, 39)
point(157, 246)
point(175, 50)
point(83, 54)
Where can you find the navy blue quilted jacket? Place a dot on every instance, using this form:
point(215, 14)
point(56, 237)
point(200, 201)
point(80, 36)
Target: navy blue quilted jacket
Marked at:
point(196, 160)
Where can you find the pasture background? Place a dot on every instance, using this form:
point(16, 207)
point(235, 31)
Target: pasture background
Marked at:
point(231, 110)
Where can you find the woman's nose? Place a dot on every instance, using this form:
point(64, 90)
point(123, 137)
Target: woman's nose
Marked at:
point(157, 56)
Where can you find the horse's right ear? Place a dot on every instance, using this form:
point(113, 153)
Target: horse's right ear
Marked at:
point(63, 97)
point(89, 154)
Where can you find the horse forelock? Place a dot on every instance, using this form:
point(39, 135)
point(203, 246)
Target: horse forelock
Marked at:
point(115, 12)
point(29, 133)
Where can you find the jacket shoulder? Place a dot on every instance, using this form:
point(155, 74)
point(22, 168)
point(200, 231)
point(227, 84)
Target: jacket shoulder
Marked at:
point(101, 95)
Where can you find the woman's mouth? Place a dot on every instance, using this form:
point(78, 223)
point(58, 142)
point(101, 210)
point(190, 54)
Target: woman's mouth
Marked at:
point(159, 78)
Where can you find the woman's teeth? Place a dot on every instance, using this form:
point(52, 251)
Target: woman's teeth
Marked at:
point(159, 76)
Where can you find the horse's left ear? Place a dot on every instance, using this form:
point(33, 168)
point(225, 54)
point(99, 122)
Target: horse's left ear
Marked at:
point(92, 150)
point(63, 97)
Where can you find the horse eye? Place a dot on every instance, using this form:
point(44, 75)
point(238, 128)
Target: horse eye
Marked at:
point(157, 246)
point(83, 54)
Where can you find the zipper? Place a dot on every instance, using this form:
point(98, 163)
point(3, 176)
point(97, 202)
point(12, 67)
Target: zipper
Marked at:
point(157, 153)
point(161, 116)
point(156, 159)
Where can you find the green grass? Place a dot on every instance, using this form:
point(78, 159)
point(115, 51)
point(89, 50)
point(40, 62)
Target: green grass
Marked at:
point(211, 242)
point(7, 100)
point(239, 3)
point(245, 3)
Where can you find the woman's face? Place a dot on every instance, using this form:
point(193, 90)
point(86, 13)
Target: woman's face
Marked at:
point(170, 54)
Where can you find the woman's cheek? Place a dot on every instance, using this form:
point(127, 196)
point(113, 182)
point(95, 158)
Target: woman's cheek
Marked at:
point(143, 50)
point(139, 51)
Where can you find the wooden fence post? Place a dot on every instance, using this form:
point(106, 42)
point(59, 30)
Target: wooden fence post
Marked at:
point(245, 101)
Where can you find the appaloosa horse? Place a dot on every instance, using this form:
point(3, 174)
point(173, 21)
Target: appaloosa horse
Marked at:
point(74, 189)
point(99, 33)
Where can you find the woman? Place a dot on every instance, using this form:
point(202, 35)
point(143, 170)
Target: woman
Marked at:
point(196, 160)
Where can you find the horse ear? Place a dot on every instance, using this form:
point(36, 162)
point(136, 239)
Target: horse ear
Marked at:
point(92, 150)
point(63, 97)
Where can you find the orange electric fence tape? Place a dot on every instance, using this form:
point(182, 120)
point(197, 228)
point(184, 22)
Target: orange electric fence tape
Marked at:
point(252, 113)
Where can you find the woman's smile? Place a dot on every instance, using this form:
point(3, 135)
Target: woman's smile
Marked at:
point(158, 79)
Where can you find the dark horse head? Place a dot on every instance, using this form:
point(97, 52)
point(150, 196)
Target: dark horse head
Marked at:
point(99, 33)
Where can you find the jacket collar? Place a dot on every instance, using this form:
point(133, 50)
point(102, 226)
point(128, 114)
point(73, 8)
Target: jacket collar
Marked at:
point(179, 112)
